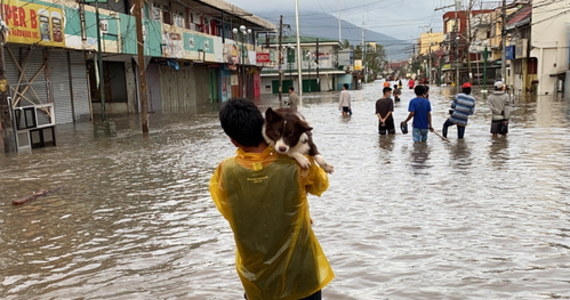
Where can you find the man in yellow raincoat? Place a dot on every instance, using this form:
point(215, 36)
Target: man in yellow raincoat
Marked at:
point(263, 196)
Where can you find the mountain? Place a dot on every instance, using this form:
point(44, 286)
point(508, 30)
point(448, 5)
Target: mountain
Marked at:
point(323, 25)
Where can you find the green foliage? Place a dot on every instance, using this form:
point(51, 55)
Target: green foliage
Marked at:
point(374, 59)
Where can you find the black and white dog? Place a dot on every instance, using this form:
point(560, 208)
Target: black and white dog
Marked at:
point(289, 133)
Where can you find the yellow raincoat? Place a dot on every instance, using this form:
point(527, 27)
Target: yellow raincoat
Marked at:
point(264, 198)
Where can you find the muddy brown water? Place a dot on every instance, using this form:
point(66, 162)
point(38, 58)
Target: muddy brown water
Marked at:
point(481, 218)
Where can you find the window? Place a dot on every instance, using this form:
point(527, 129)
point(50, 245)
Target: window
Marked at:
point(166, 17)
point(532, 65)
point(156, 13)
point(206, 26)
point(178, 19)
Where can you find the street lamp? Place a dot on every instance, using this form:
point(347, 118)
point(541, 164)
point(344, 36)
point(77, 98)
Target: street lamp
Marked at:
point(244, 31)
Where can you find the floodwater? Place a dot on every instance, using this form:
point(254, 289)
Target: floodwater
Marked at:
point(481, 218)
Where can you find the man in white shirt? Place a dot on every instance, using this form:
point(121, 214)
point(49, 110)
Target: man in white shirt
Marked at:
point(344, 101)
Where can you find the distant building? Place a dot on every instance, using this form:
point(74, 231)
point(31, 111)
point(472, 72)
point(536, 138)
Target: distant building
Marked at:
point(550, 42)
point(325, 70)
point(455, 46)
point(193, 56)
point(522, 68)
point(430, 42)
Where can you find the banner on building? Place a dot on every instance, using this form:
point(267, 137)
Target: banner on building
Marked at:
point(31, 23)
point(510, 52)
point(231, 53)
point(196, 42)
point(172, 44)
point(263, 57)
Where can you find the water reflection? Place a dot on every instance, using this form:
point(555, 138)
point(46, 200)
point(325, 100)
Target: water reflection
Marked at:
point(419, 157)
point(460, 154)
point(386, 142)
point(498, 151)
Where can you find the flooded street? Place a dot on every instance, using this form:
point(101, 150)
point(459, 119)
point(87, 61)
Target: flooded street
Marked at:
point(480, 218)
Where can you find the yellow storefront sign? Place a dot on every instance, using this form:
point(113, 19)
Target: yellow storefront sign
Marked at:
point(31, 23)
point(357, 65)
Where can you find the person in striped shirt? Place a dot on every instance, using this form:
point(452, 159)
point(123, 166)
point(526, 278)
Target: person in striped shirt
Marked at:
point(462, 107)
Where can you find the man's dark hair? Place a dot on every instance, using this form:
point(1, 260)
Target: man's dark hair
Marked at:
point(420, 90)
point(242, 121)
point(467, 90)
point(345, 86)
point(386, 89)
point(291, 88)
point(395, 86)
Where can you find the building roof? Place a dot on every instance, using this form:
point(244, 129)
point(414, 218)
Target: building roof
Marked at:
point(521, 17)
point(239, 12)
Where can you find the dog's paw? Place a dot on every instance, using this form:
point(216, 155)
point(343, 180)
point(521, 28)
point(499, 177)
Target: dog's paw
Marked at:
point(324, 164)
point(304, 162)
point(328, 168)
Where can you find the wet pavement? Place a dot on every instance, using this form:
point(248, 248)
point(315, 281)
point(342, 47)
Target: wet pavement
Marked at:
point(480, 218)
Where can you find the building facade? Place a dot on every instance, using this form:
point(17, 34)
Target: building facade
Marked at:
point(197, 53)
point(550, 42)
point(321, 70)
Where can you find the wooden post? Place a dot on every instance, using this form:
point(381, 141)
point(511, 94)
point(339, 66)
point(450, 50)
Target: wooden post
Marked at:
point(141, 66)
point(6, 112)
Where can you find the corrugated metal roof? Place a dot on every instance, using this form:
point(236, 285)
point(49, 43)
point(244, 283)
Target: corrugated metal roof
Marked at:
point(521, 17)
point(239, 12)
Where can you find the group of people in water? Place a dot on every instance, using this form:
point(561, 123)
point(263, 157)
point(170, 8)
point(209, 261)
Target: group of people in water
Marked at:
point(419, 109)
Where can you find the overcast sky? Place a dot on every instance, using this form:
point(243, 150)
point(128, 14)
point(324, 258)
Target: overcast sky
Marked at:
point(402, 19)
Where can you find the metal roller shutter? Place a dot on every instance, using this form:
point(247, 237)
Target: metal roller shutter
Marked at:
point(80, 86)
point(60, 87)
point(11, 69)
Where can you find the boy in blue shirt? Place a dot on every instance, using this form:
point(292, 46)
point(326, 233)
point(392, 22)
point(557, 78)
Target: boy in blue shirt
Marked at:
point(420, 110)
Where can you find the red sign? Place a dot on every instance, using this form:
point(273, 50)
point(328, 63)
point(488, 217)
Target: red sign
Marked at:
point(263, 58)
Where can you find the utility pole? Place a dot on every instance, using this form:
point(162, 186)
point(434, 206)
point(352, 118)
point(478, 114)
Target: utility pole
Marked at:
point(504, 42)
point(429, 65)
point(457, 61)
point(469, 38)
point(317, 62)
point(299, 53)
point(339, 28)
point(6, 112)
point(141, 65)
point(281, 60)
point(363, 53)
point(100, 72)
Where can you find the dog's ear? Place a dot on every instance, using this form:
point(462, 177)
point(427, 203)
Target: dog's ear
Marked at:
point(305, 127)
point(271, 115)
